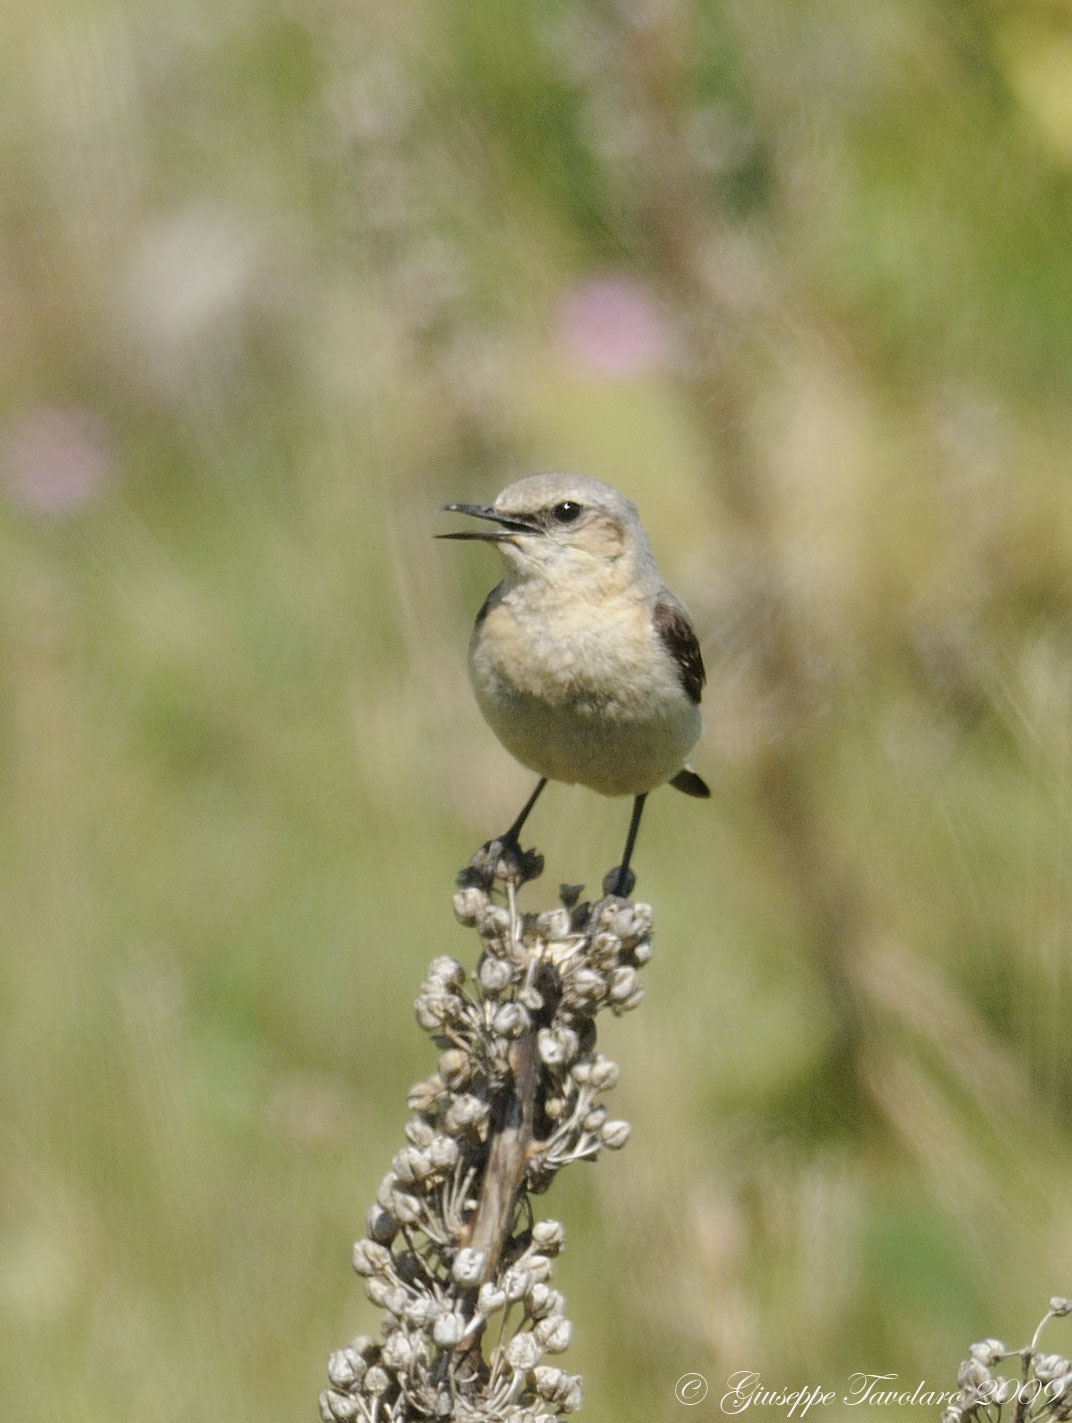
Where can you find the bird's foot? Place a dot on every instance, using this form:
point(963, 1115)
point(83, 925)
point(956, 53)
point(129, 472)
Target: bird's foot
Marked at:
point(620, 881)
point(503, 860)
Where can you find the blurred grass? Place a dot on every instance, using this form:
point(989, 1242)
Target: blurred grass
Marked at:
point(275, 283)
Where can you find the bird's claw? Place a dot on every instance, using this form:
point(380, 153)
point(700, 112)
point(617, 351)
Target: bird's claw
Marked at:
point(504, 860)
point(620, 881)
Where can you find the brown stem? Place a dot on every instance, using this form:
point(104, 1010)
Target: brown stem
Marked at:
point(508, 1155)
point(504, 1174)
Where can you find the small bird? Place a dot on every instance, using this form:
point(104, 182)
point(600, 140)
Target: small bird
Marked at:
point(583, 663)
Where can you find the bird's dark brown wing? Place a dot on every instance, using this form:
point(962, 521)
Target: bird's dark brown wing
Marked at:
point(679, 638)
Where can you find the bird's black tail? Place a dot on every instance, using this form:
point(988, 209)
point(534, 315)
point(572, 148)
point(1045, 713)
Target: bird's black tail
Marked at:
point(692, 784)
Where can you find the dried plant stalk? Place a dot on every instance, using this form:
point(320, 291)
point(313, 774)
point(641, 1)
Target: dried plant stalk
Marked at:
point(454, 1258)
point(1041, 1394)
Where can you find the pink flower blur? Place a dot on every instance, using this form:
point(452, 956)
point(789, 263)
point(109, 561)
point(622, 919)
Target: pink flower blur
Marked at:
point(611, 326)
point(55, 459)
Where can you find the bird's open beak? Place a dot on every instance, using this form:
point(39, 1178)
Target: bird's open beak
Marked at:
point(510, 524)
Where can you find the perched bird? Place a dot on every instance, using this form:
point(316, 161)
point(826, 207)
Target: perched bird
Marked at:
point(584, 665)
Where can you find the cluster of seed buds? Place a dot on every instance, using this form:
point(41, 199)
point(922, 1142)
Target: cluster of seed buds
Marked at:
point(454, 1258)
point(1043, 1390)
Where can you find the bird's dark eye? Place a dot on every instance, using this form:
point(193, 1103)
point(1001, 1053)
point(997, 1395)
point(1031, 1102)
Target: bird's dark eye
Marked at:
point(566, 512)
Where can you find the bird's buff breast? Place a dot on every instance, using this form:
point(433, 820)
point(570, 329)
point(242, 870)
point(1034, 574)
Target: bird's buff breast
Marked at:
point(578, 698)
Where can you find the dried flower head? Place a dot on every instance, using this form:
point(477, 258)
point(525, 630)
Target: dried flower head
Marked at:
point(1042, 1392)
point(452, 1244)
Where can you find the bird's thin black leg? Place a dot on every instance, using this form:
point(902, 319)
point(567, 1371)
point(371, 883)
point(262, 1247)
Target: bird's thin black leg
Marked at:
point(621, 880)
point(512, 835)
point(503, 858)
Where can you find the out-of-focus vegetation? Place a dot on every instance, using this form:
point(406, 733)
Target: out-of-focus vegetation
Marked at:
point(277, 280)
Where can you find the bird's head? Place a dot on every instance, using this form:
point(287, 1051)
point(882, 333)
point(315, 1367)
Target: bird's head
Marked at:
point(564, 526)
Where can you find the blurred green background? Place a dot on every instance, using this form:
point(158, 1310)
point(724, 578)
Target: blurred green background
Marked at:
point(275, 281)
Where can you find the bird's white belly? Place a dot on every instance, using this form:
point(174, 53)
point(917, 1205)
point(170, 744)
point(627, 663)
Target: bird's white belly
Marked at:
point(606, 710)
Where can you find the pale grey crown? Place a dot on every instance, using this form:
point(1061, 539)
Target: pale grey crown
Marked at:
point(542, 491)
point(538, 491)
